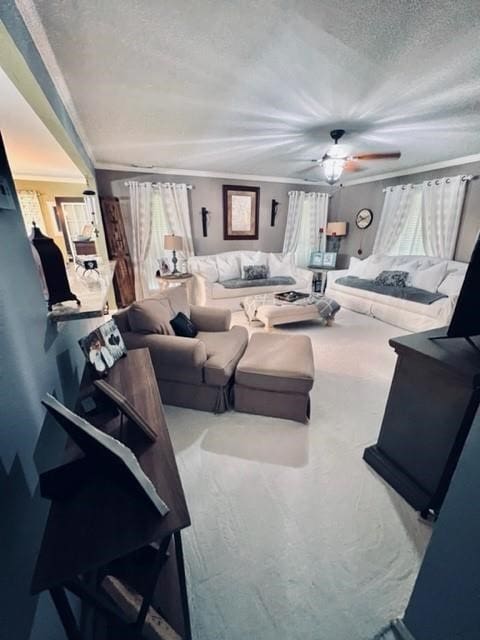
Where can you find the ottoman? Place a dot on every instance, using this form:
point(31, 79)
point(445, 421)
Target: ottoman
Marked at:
point(274, 377)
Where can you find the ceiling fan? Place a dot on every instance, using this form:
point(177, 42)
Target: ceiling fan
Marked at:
point(335, 161)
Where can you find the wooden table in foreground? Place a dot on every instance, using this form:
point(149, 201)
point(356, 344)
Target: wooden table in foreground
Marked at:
point(109, 528)
point(433, 399)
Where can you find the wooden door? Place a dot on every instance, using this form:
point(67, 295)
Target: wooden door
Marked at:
point(117, 245)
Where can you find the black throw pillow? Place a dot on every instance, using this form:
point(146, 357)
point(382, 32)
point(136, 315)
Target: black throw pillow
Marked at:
point(183, 326)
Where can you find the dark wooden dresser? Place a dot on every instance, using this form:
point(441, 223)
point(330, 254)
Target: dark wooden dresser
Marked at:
point(433, 399)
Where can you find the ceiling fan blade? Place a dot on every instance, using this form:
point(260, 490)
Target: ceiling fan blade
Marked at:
point(351, 166)
point(392, 155)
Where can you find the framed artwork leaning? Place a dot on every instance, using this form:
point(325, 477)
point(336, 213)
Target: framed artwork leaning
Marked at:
point(240, 212)
point(126, 408)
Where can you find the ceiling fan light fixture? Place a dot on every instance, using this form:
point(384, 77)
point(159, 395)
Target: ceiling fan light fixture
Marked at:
point(333, 169)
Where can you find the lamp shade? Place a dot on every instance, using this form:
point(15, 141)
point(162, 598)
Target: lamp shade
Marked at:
point(337, 229)
point(173, 243)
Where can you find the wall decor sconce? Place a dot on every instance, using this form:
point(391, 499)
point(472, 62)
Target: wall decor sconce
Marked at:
point(205, 213)
point(275, 204)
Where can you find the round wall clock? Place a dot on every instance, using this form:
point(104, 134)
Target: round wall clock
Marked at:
point(364, 218)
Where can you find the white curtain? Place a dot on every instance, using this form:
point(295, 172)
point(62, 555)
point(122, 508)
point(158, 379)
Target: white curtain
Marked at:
point(177, 209)
point(441, 211)
point(318, 203)
point(296, 201)
point(307, 214)
point(314, 218)
point(393, 218)
point(140, 227)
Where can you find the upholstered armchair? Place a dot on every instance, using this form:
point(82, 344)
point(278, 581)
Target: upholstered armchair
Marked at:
point(191, 372)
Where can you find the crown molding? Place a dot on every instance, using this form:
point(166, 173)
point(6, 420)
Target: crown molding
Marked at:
point(38, 34)
point(196, 173)
point(43, 178)
point(285, 180)
point(421, 169)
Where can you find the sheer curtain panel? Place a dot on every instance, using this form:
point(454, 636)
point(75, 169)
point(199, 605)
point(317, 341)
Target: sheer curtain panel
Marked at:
point(296, 200)
point(441, 211)
point(394, 216)
point(177, 209)
point(141, 229)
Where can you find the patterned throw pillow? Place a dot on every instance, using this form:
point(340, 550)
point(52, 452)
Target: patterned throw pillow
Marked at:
point(255, 272)
point(392, 278)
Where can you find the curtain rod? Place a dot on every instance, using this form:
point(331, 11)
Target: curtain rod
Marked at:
point(308, 193)
point(465, 178)
point(155, 184)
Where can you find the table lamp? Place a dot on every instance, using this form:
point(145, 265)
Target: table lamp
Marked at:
point(173, 243)
point(335, 231)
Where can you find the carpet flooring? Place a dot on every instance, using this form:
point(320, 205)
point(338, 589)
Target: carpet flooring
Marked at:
point(294, 537)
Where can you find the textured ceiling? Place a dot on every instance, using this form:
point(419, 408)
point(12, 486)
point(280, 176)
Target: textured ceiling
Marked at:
point(32, 150)
point(255, 86)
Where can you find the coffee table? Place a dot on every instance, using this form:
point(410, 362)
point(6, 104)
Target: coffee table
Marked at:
point(270, 311)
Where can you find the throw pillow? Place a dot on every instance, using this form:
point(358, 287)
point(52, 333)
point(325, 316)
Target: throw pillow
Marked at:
point(152, 315)
point(249, 258)
point(255, 272)
point(429, 279)
point(228, 267)
point(392, 278)
point(452, 284)
point(183, 326)
point(280, 265)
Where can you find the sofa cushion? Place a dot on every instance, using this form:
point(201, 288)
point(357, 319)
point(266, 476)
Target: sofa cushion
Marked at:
point(224, 350)
point(121, 318)
point(429, 279)
point(252, 259)
point(280, 265)
point(277, 362)
point(228, 267)
point(152, 315)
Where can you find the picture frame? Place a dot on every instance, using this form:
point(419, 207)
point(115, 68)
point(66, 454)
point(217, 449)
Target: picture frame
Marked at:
point(316, 259)
point(241, 206)
point(321, 259)
point(103, 347)
point(329, 259)
point(125, 407)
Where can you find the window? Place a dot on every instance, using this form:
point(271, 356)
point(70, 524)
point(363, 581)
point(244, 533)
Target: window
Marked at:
point(410, 241)
point(31, 210)
point(160, 228)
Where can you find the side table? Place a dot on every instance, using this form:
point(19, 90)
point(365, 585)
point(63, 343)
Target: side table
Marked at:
point(322, 272)
point(170, 279)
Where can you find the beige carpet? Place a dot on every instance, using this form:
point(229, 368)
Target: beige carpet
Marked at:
point(293, 536)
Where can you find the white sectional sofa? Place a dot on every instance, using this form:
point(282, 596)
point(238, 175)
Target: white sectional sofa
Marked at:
point(425, 273)
point(219, 279)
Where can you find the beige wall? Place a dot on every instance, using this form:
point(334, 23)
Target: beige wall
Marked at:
point(47, 192)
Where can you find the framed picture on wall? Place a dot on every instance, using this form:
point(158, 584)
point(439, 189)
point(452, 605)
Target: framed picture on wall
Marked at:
point(240, 212)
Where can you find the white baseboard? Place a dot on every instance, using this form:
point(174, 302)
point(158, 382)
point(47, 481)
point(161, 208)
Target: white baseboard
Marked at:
point(401, 630)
